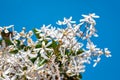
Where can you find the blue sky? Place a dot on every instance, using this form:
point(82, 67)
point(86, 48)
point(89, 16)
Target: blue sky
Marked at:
point(34, 13)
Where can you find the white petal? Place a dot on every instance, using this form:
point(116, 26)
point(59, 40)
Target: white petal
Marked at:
point(84, 15)
point(32, 55)
point(29, 77)
point(96, 16)
point(9, 26)
point(9, 70)
point(43, 54)
point(94, 64)
point(70, 18)
point(72, 21)
point(96, 35)
point(43, 43)
point(48, 25)
point(83, 70)
point(41, 67)
point(48, 44)
point(108, 55)
point(59, 22)
point(6, 31)
point(82, 20)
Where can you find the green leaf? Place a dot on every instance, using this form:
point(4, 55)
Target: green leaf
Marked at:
point(18, 42)
point(36, 34)
point(33, 59)
point(49, 54)
point(53, 45)
point(46, 41)
point(8, 42)
point(21, 47)
point(41, 62)
point(39, 45)
point(24, 77)
point(14, 51)
point(0, 42)
point(80, 76)
point(24, 68)
point(27, 48)
point(80, 51)
point(67, 52)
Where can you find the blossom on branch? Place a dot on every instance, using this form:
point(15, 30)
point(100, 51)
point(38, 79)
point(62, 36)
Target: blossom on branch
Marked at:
point(57, 53)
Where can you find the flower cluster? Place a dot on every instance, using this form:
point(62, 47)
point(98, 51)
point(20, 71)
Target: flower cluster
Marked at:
point(57, 54)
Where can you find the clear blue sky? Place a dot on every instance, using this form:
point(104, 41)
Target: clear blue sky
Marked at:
point(34, 13)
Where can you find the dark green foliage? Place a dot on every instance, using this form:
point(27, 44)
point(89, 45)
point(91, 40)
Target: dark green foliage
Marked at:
point(25, 68)
point(53, 45)
point(36, 34)
point(42, 61)
point(14, 51)
point(8, 42)
point(70, 52)
point(6, 37)
point(18, 42)
point(21, 47)
point(33, 59)
point(0, 42)
point(39, 45)
point(24, 77)
point(27, 48)
point(80, 51)
point(80, 76)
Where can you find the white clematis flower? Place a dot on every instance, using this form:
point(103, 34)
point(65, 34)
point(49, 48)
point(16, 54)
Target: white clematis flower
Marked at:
point(89, 18)
point(107, 52)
